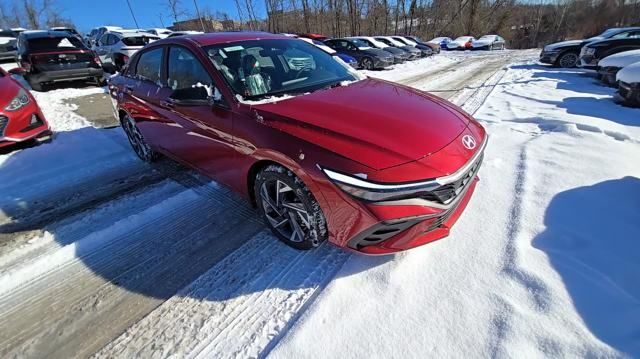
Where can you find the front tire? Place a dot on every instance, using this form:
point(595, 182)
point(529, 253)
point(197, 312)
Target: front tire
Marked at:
point(137, 141)
point(289, 208)
point(367, 63)
point(567, 60)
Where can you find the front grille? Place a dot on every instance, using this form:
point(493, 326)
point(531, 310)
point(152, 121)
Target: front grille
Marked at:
point(4, 121)
point(447, 193)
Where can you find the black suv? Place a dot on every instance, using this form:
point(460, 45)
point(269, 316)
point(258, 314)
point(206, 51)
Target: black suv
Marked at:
point(48, 57)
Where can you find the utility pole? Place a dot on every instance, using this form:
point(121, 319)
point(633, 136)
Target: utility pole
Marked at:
point(132, 15)
point(195, 3)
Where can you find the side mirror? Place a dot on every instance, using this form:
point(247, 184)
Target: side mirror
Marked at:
point(191, 96)
point(17, 71)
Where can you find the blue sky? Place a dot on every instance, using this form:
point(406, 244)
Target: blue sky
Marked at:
point(87, 14)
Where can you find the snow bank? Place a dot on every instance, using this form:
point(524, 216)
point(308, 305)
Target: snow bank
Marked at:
point(542, 263)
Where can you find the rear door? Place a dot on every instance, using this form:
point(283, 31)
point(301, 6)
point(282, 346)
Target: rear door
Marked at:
point(143, 90)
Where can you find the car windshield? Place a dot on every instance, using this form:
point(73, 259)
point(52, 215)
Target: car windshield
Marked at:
point(488, 37)
point(43, 44)
point(263, 68)
point(138, 40)
point(608, 33)
point(360, 44)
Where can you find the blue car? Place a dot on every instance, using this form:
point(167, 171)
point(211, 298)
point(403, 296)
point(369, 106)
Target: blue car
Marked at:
point(442, 41)
point(351, 61)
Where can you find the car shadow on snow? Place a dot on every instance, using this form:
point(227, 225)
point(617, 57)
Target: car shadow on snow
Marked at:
point(159, 230)
point(604, 108)
point(592, 239)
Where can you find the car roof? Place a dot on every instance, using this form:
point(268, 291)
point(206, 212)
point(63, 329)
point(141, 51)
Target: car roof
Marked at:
point(39, 34)
point(131, 33)
point(215, 38)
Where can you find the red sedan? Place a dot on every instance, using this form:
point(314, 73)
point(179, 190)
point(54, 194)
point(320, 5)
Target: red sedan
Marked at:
point(323, 153)
point(20, 117)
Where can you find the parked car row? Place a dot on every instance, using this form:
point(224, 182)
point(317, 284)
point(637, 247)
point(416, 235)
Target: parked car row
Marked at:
point(588, 52)
point(486, 42)
point(374, 52)
point(614, 54)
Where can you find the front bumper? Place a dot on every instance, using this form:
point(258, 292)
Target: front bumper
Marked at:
point(383, 227)
point(66, 75)
point(18, 126)
point(630, 92)
point(608, 74)
point(381, 63)
point(588, 62)
point(549, 57)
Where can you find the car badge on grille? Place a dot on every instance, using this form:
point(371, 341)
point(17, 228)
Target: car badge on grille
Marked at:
point(468, 142)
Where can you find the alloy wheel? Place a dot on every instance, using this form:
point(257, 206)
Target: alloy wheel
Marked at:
point(568, 60)
point(367, 63)
point(136, 139)
point(285, 211)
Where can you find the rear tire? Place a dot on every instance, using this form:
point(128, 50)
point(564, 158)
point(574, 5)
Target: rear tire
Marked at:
point(567, 60)
point(289, 208)
point(137, 141)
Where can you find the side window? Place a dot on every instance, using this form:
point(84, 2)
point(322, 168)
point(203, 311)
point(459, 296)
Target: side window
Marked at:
point(102, 40)
point(634, 34)
point(149, 65)
point(187, 76)
point(185, 70)
point(349, 46)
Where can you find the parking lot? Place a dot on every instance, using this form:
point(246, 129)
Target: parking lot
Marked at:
point(104, 255)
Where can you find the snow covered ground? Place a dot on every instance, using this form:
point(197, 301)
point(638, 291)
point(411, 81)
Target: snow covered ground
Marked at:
point(101, 254)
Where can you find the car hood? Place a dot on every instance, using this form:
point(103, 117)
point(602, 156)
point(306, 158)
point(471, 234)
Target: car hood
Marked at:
point(562, 44)
point(620, 59)
point(8, 90)
point(629, 74)
point(373, 122)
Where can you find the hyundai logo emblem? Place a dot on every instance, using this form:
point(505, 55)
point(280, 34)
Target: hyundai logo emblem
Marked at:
point(468, 142)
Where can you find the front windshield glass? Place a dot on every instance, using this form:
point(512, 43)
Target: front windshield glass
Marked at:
point(608, 33)
point(258, 69)
point(361, 44)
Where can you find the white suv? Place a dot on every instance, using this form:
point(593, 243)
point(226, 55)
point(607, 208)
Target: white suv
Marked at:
point(116, 47)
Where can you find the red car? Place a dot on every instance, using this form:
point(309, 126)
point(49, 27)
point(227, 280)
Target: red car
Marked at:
point(324, 154)
point(20, 117)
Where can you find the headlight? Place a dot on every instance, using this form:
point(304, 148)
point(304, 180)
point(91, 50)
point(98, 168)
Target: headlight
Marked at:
point(18, 102)
point(374, 192)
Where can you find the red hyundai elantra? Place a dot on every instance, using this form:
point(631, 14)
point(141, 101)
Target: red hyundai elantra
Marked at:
point(323, 153)
point(20, 116)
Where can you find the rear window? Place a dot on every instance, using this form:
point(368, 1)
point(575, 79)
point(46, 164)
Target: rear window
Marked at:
point(7, 33)
point(7, 44)
point(55, 44)
point(138, 40)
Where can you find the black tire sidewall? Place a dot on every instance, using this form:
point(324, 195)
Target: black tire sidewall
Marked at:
point(559, 61)
point(306, 197)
